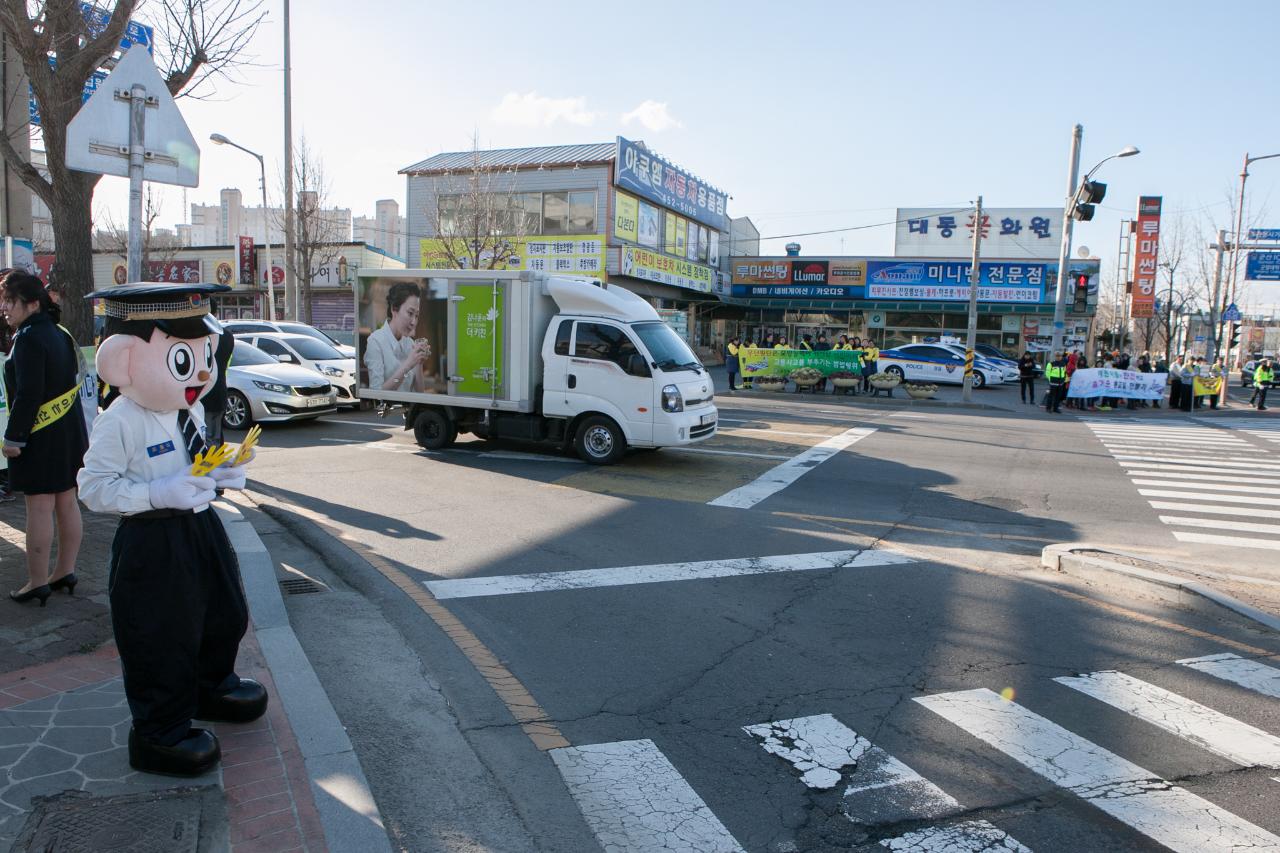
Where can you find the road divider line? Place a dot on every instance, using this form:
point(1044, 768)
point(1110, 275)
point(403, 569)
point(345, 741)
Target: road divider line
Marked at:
point(662, 573)
point(1249, 674)
point(776, 479)
point(633, 798)
point(1191, 721)
point(1214, 510)
point(1208, 496)
point(1218, 524)
point(1236, 541)
point(1135, 796)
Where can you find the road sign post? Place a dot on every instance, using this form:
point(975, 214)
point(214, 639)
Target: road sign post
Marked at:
point(975, 278)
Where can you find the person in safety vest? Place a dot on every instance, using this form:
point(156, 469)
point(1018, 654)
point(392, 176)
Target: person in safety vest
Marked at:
point(870, 363)
point(731, 361)
point(1055, 372)
point(1263, 376)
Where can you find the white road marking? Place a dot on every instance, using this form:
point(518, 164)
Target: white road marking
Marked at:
point(1249, 674)
point(977, 836)
point(778, 478)
point(1163, 441)
point(1237, 541)
point(1218, 524)
point(1164, 812)
point(746, 453)
point(1191, 721)
point(1182, 475)
point(1180, 460)
point(1216, 510)
point(1217, 487)
point(661, 573)
point(1208, 496)
point(378, 424)
point(745, 431)
point(635, 800)
point(878, 789)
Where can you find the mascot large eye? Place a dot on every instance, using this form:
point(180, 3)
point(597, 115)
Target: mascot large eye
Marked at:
point(182, 362)
point(208, 354)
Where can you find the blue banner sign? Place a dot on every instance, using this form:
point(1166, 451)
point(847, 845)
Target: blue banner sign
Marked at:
point(646, 174)
point(948, 281)
point(1262, 266)
point(1264, 233)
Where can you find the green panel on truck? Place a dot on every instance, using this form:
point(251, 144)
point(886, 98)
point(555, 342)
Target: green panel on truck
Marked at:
point(479, 329)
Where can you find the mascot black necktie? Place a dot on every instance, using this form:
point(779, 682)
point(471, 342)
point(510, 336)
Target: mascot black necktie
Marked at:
point(190, 434)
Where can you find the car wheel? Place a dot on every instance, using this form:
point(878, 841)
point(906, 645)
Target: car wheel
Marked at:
point(979, 380)
point(894, 370)
point(238, 414)
point(600, 441)
point(433, 429)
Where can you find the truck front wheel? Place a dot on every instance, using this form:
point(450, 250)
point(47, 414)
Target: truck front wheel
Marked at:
point(433, 430)
point(600, 441)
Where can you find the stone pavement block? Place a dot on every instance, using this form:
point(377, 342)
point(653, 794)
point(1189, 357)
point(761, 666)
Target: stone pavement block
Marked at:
point(261, 806)
point(279, 842)
point(258, 827)
point(239, 794)
point(254, 771)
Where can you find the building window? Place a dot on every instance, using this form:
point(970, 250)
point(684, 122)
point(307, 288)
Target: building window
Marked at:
point(582, 212)
point(522, 214)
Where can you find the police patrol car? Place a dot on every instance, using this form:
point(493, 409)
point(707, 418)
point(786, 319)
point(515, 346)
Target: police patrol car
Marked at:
point(937, 363)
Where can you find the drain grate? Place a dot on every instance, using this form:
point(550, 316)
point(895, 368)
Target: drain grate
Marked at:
point(75, 822)
point(300, 586)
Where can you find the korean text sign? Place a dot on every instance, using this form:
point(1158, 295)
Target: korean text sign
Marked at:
point(577, 255)
point(1032, 233)
point(640, 263)
point(650, 176)
point(1125, 384)
point(1146, 253)
point(780, 362)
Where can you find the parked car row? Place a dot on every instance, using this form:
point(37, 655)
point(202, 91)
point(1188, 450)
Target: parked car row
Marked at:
point(945, 363)
point(283, 371)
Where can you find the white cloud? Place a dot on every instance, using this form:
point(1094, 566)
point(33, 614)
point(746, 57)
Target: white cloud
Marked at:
point(534, 110)
point(654, 115)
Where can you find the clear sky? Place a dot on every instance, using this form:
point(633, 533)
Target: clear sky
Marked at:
point(812, 115)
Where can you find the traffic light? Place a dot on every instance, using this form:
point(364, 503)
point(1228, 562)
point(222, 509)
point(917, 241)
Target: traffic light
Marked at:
point(1235, 337)
point(1091, 193)
point(1080, 297)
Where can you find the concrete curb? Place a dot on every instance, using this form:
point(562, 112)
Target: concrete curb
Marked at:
point(861, 400)
point(1191, 594)
point(348, 812)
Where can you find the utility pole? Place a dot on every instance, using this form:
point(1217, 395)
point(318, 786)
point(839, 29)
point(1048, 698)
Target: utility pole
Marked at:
point(290, 281)
point(975, 277)
point(137, 98)
point(1122, 290)
point(1218, 249)
point(1060, 302)
point(1168, 310)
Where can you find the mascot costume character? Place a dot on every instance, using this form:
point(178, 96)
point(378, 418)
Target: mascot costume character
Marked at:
point(177, 604)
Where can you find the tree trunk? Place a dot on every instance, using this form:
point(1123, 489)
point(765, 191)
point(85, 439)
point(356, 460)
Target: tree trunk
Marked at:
point(73, 262)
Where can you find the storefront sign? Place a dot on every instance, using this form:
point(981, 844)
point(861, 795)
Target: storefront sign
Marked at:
point(760, 271)
point(847, 272)
point(647, 227)
point(247, 260)
point(809, 272)
point(1145, 256)
point(224, 272)
point(184, 272)
point(652, 177)
point(641, 263)
point(626, 213)
point(580, 255)
point(948, 281)
point(1007, 232)
point(1125, 384)
point(44, 267)
point(780, 362)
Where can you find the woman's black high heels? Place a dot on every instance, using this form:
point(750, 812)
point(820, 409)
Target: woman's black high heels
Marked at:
point(67, 582)
point(41, 592)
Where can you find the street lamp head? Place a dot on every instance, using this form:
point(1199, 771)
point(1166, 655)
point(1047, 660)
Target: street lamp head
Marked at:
point(218, 139)
point(1128, 151)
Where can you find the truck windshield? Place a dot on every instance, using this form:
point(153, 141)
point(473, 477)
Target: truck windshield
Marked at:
point(665, 346)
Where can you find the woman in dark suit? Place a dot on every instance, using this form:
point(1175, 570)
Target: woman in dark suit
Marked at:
point(46, 438)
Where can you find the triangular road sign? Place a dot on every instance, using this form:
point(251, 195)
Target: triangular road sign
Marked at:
point(98, 137)
point(1232, 314)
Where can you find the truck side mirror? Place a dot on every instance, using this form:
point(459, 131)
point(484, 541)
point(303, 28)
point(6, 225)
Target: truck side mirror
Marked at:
point(637, 366)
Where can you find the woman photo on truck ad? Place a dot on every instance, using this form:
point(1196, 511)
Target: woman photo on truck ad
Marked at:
point(393, 357)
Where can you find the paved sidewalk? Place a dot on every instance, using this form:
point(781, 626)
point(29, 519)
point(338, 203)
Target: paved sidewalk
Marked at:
point(64, 725)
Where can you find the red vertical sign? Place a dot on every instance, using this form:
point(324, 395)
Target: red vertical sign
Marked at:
point(1145, 256)
point(247, 258)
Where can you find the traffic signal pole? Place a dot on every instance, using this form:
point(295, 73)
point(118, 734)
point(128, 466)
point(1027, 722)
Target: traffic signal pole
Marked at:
point(975, 277)
point(1060, 301)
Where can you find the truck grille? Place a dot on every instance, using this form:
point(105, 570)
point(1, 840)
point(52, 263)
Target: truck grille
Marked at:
point(702, 431)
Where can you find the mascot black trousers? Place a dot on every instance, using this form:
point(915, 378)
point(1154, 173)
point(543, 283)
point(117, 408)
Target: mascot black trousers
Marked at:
point(178, 611)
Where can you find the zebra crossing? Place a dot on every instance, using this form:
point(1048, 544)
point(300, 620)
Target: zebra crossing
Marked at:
point(634, 798)
point(1211, 484)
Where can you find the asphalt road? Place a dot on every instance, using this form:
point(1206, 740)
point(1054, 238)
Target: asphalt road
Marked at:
point(864, 654)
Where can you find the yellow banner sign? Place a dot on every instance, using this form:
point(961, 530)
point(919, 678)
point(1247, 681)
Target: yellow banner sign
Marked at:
point(1206, 386)
point(581, 255)
point(626, 217)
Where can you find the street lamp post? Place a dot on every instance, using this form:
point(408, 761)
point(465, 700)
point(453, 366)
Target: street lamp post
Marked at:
point(219, 139)
point(1235, 244)
point(1068, 219)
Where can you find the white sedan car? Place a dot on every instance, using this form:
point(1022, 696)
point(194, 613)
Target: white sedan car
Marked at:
point(935, 363)
point(260, 388)
point(288, 327)
point(308, 352)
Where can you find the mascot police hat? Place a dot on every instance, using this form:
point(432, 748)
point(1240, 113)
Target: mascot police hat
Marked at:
point(179, 310)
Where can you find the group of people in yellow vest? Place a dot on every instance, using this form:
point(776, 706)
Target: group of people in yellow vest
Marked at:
point(867, 362)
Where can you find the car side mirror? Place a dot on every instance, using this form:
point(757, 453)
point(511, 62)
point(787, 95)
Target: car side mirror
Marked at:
point(285, 358)
point(637, 366)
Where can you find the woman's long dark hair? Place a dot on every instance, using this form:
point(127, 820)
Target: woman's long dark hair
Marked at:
point(23, 286)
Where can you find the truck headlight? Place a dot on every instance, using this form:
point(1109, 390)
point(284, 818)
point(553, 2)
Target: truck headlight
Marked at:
point(273, 386)
point(672, 401)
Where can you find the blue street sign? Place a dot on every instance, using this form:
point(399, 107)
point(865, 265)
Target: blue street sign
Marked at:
point(1264, 233)
point(1232, 314)
point(1262, 266)
point(1199, 339)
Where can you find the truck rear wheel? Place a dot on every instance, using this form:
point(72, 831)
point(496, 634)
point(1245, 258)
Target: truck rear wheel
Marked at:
point(599, 441)
point(433, 429)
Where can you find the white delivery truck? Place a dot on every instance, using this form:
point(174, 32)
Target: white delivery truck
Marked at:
point(528, 355)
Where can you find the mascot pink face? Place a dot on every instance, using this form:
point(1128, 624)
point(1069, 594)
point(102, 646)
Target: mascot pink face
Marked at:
point(164, 374)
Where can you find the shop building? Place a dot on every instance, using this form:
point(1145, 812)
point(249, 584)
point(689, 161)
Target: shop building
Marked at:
point(243, 267)
point(613, 211)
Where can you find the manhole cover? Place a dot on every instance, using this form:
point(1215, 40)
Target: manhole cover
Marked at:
point(300, 586)
point(152, 822)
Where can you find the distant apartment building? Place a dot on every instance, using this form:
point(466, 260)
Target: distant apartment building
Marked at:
point(384, 230)
point(220, 224)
